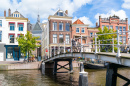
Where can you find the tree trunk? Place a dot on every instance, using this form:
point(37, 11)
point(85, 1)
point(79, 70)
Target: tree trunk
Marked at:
point(28, 56)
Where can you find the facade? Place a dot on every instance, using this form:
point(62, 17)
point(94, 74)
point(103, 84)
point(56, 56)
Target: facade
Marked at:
point(115, 23)
point(57, 32)
point(36, 30)
point(2, 38)
point(12, 26)
point(79, 29)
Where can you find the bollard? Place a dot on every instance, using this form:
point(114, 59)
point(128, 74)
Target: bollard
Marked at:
point(83, 76)
point(81, 67)
point(43, 68)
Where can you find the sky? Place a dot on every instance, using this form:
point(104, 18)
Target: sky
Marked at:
point(87, 11)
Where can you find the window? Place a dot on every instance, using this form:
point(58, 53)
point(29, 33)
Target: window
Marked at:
point(10, 52)
point(60, 13)
point(54, 38)
point(0, 36)
point(103, 27)
point(11, 38)
point(0, 23)
point(121, 39)
point(91, 34)
point(60, 26)
point(12, 27)
point(83, 30)
point(61, 40)
point(124, 29)
point(16, 15)
point(107, 26)
point(120, 30)
point(111, 27)
point(124, 40)
point(54, 26)
point(77, 30)
point(67, 39)
point(67, 27)
point(116, 28)
point(20, 27)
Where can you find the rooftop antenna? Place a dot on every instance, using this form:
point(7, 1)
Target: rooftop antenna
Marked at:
point(38, 18)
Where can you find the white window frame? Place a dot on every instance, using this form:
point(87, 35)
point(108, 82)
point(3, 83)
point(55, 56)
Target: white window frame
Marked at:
point(124, 39)
point(91, 34)
point(54, 29)
point(61, 36)
point(76, 30)
point(54, 38)
point(59, 26)
point(67, 39)
point(9, 39)
point(82, 29)
point(123, 30)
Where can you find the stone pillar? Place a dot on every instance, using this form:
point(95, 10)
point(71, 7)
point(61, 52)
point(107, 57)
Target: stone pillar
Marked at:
point(83, 76)
point(71, 66)
point(111, 78)
point(43, 68)
point(55, 67)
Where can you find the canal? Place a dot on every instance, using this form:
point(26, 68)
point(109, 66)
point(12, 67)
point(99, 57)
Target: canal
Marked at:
point(35, 78)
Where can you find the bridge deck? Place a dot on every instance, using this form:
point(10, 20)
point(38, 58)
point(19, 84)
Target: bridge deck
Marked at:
point(124, 59)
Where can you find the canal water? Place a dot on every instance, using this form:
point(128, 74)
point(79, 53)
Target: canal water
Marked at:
point(35, 78)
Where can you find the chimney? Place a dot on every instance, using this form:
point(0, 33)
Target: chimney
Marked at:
point(9, 12)
point(66, 12)
point(96, 24)
point(4, 13)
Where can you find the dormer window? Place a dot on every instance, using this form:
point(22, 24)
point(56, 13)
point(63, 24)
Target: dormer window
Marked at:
point(60, 13)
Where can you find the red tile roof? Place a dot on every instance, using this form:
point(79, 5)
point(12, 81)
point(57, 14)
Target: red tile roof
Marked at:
point(78, 22)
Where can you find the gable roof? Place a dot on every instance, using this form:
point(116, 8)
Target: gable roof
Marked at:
point(64, 14)
point(78, 21)
point(37, 26)
point(21, 16)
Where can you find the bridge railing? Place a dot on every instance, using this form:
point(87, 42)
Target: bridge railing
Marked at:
point(95, 46)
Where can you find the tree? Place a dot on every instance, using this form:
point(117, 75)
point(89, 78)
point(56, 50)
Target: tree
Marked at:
point(107, 39)
point(27, 43)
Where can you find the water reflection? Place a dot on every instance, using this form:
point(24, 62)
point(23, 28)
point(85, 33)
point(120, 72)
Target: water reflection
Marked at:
point(35, 78)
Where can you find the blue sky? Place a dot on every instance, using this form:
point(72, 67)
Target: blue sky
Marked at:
point(86, 10)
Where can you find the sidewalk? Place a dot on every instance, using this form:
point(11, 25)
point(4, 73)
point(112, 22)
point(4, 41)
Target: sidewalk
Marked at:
point(19, 65)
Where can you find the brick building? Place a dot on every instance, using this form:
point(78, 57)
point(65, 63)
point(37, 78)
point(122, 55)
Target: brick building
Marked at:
point(80, 29)
point(115, 23)
point(56, 32)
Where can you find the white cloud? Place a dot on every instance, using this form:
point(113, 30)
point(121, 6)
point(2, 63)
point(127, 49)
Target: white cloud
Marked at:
point(126, 4)
point(44, 21)
point(29, 8)
point(120, 13)
point(84, 19)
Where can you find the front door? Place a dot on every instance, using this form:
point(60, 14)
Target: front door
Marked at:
point(16, 56)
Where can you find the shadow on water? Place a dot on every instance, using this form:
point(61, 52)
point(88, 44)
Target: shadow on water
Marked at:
point(35, 78)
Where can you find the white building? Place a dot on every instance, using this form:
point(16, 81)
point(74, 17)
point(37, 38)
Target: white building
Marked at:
point(12, 26)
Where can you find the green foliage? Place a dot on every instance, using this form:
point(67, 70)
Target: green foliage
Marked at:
point(27, 43)
point(104, 39)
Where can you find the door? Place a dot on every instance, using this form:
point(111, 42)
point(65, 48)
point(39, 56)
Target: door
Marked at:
point(16, 56)
point(1, 56)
